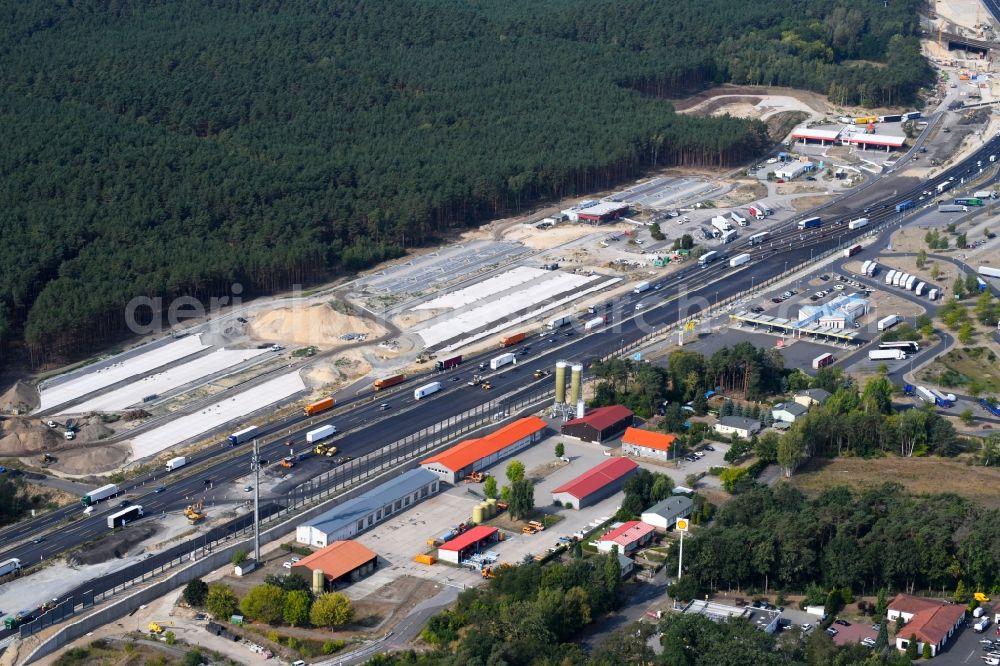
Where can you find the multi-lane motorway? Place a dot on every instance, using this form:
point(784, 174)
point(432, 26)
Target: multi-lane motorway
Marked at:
point(368, 426)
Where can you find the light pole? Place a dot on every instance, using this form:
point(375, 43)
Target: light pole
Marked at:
point(255, 468)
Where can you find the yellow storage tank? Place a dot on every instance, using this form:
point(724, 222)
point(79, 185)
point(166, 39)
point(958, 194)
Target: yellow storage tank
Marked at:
point(477, 515)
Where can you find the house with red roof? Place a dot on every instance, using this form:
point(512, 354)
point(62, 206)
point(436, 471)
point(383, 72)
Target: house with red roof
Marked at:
point(595, 484)
point(931, 621)
point(629, 537)
point(647, 444)
point(599, 424)
point(473, 455)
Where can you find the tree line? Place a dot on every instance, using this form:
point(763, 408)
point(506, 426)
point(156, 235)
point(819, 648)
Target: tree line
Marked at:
point(176, 148)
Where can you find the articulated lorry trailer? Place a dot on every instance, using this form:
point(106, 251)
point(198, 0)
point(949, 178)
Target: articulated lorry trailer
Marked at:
point(886, 355)
point(96, 495)
point(320, 434)
point(426, 390)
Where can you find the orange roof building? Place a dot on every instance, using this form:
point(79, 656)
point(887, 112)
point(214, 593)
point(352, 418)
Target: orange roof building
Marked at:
point(342, 562)
point(473, 455)
point(648, 444)
point(932, 621)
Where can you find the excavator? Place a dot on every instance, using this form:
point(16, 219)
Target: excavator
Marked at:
point(195, 512)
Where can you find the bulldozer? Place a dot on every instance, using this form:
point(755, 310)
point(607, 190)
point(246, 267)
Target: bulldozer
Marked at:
point(155, 628)
point(195, 512)
point(476, 477)
point(48, 459)
point(486, 386)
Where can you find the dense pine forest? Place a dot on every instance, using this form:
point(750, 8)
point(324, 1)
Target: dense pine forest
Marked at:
point(163, 148)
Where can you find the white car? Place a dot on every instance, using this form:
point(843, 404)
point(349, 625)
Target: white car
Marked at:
point(838, 287)
point(639, 306)
point(806, 626)
point(287, 565)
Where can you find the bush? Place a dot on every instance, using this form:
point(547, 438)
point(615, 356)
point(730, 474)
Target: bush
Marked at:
point(170, 638)
point(195, 592)
point(329, 647)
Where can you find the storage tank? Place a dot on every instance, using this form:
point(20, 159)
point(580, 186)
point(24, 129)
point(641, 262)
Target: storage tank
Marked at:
point(477, 514)
point(575, 379)
point(318, 581)
point(487, 510)
point(493, 506)
point(560, 382)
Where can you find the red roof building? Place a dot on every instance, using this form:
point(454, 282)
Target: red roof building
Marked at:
point(931, 621)
point(876, 140)
point(596, 484)
point(805, 135)
point(340, 562)
point(627, 536)
point(603, 212)
point(463, 545)
point(600, 424)
point(476, 454)
point(648, 444)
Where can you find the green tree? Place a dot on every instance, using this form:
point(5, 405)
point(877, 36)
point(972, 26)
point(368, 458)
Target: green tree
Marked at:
point(926, 652)
point(297, 606)
point(195, 593)
point(935, 272)
point(967, 417)
point(221, 601)
point(490, 487)
point(965, 332)
point(958, 288)
point(921, 258)
point(912, 652)
point(791, 451)
point(193, 658)
point(265, 603)
point(882, 638)
point(881, 604)
point(971, 283)
point(989, 454)
point(239, 557)
point(515, 470)
point(560, 450)
point(661, 489)
point(522, 498)
point(730, 476)
point(332, 609)
point(961, 595)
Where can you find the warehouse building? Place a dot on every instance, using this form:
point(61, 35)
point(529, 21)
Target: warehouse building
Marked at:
point(596, 484)
point(341, 563)
point(354, 516)
point(468, 543)
point(599, 425)
point(629, 537)
point(603, 212)
point(665, 513)
point(473, 455)
point(647, 444)
point(793, 170)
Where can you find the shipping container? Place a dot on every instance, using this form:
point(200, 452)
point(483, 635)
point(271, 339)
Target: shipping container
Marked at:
point(898, 280)
point(511, 340)
point(951, 208)
point(890, 276)
point(912, 115)
point(739, 260)
point(925, 395)
point(988, 272)
point(595, 323)
point(886, 355)
point(911, 282)
point(126, 515)
point(858, 223)
point(502, 360)
point(641, 287)
point(886, 323)
point(810, 223)
point(932, 294)
point(919, 289)
point(872, 270)
point(891, 118)
point(448, 363)
point(909, 346)
point(865, 266)
point(388, 381)
point(98, 494)
point(426, 390)
point(708, 258)
point(822, 361)
point(318, 406)
point(320, 434)
point(241, 436)
point(176, 463)
point(853, 250)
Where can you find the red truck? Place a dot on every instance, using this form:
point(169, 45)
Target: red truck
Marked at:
point(512, 340)
point(388, 381)
point(448, 363)
point(319, 406)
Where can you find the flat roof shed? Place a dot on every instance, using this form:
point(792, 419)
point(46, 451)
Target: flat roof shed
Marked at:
point(460, 547)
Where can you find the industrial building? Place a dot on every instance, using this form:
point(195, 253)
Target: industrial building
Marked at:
point(467, 543)
point(599, 425)
point(628, 537)
point(473, 455)
point(793, 170)
point(602, 212)
point(340, 563)
point(766, 620)
point(876, 141)
point(839, 313)
point(806, 136)
point(596, 484)
point(665, 513)
point(647, 444)
point(356, 515)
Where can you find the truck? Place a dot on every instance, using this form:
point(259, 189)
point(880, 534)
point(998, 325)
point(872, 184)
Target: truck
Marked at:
point(911, 115)
point(595, 323)
point(511, 340)
point(890, 276)
point(756, 213)
point(502, 360)
point(886, 323)
point(119, 518)
point(426, 390)
point(919, 289)
point(728, 236)
point(865, 266)
point(886, 354)
point(241, 436)
point(872, 269)
point(381, 384)
point(822, 361)
point(980, 285)
point(320, 433)
point(891, 118)
point(968, 201)
point(924, 394)
point(95, 496)
point(559, 322)
point(641, 287)
point(720, 225)
point(318, 406)
point(858, 223)
point(810, 223)
point(176, 463)
point(757, 239)
point(982, 625)
point(738, 219)
point(988, 272)
point(853, 250)
point(952, 208)
point(911, 282)
point(904, 205)
point(898, 280)
point(739, 260)
point(932, 294)
point(707, 258)
point(942, 400)
point(448, 363)
point(13, 565)
point(943, 187)
point(985, 194)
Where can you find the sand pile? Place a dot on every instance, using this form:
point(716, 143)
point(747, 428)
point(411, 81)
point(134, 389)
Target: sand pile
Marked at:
point(317, 325)
point(343, 367)
point(92, 429)
point(19, 399)
point(21, 437)
point(92, 459)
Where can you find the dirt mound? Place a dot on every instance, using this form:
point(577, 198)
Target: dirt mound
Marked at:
point(92, 460)
point(114, 546)
point(346, 367)
point(21, 437)
point(20, 398)
point(92, 430)
point(317, 325)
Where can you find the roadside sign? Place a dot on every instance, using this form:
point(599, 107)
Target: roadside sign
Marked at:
point(682, 525)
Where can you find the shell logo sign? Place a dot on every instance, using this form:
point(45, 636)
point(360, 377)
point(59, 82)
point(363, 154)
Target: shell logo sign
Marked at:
point(682, 524)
